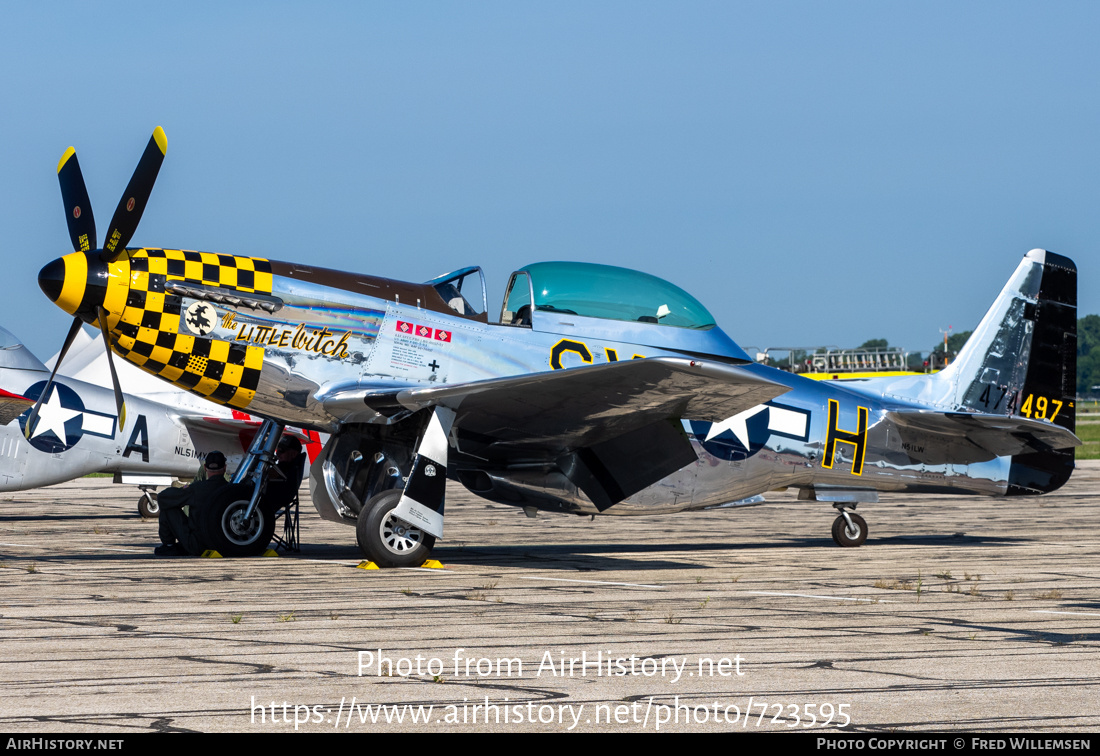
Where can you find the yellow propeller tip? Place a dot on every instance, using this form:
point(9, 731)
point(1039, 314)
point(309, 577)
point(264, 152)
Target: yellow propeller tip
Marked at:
point(65, 158)
point(161, 139)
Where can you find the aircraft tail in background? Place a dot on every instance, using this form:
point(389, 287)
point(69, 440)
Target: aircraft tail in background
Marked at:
point(1020, 361)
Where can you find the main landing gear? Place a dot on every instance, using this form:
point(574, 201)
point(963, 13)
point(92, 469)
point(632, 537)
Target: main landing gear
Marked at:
point(233, 527)
point(849, 529)
point(387, 540)
point(402, 515)
point(237, 523)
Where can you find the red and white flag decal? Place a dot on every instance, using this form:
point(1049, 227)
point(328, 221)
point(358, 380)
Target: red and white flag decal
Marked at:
point(423, 331)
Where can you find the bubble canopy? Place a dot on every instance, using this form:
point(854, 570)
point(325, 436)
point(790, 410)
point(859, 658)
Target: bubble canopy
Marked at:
point(611, 293)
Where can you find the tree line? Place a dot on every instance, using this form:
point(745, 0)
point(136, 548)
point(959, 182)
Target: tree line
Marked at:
point(1088, 352)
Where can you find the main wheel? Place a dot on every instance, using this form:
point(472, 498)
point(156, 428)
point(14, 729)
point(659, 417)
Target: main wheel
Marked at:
point(386, 540)
point(227, 529)
point(854, 536)
point(148, 506)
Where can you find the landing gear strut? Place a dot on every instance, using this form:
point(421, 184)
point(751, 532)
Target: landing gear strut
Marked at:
point(235, 522)
point(849, 529)
point(398, 527)
point(148, 507)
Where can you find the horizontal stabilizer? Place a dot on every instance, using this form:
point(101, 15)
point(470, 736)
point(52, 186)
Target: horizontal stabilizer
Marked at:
point(970, 437)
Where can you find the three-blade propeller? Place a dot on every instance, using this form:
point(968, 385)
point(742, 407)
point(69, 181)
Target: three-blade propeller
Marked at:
point(81, 222)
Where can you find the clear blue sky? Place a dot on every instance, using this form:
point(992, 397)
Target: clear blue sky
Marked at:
point(814, 172)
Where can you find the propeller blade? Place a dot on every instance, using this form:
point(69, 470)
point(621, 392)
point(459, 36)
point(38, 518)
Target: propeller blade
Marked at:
point(78, 208)
point(125, 220)
point(32, 419)
point(120, 401)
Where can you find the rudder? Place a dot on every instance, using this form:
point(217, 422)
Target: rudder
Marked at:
point(1050, 388)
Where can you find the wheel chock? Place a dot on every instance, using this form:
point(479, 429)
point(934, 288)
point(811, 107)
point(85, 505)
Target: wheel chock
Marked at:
point(431, 564)
point(211, 554)
point(270, 553)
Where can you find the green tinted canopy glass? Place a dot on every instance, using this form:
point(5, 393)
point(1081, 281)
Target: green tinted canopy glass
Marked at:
point(603, 291)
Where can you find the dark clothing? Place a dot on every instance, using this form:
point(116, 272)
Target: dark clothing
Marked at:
point(177, 526)
point(283, 481)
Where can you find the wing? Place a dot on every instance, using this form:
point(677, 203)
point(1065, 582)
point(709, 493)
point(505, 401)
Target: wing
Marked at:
point(583, 406)
point(240, 428)
point(966, 437)
point(12, 406)
point(612, 429)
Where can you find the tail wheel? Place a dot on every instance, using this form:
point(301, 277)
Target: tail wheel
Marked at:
point(148, 506)
point(227, 529)
point(850, 536)
point(387, 540)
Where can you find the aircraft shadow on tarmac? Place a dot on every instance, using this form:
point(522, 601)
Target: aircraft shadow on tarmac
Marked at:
point(609, 556)
point(573, 556)
point(56, 518)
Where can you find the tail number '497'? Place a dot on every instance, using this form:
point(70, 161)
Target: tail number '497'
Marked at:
point(1038, 406)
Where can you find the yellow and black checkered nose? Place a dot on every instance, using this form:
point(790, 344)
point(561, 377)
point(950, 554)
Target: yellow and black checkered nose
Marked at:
point(77, 283)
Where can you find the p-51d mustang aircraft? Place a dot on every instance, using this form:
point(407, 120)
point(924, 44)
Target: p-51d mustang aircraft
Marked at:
point(77, 431)
point(601, 390)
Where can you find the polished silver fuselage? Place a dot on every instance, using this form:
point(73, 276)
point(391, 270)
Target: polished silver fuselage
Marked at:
point(326, 341)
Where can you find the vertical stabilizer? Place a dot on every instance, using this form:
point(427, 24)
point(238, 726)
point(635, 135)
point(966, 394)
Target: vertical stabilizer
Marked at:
point(15, 356)
point(1022, 360)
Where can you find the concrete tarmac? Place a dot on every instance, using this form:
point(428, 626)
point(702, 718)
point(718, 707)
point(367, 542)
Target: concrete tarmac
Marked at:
point(959, 613)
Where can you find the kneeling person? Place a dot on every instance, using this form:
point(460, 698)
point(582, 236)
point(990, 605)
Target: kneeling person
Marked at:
point(180, 509)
